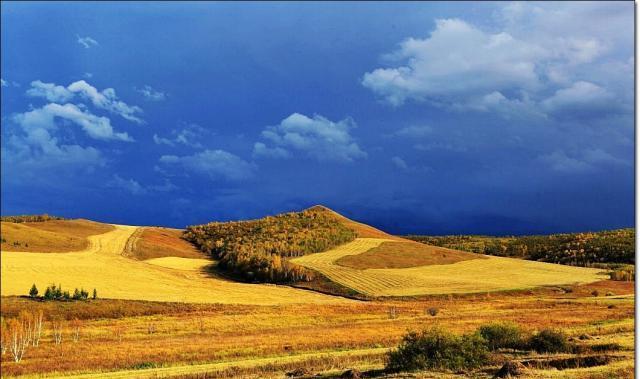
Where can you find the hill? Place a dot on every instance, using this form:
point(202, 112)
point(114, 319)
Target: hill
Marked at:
point(342, 256)
point(48, 235)
point(257, 250)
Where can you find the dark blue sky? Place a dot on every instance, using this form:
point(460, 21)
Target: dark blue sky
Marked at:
point(493, 118)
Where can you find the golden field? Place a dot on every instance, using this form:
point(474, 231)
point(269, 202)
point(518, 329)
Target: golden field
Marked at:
point(467, 276)
point(102, 266)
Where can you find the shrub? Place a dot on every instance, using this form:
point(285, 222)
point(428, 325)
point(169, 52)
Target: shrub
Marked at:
point(95, 294)
point(433, 311)
point(502, 335)
point(549, 341)
point(623, 274)
point(595, 293)
point(612, 346)
point(437, 349)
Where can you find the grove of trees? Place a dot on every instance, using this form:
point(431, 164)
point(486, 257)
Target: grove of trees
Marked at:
point(575, 249)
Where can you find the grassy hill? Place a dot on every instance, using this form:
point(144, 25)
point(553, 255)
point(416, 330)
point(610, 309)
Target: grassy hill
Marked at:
point(31, 234)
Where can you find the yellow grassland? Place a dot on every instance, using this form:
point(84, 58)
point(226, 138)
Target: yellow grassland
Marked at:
point(102, 266)
point(469, 276)
point(255, 340)
point(49, 236)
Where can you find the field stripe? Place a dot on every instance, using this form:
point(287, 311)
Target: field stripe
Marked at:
point(469, 276)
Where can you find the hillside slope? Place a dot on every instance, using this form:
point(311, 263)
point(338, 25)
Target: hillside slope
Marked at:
point(49, 236)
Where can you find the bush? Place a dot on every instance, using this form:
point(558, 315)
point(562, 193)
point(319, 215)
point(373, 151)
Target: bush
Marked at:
point(602, 347)
point(549, 341)
point(502, 335)
point(437, 349)
point(433, 311)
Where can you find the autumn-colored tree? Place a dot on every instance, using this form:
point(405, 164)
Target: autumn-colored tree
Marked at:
point(57, 326)
point(38, 318)
point(18, 339)
point(28, 324)
point(76, 328)
point(4, 335)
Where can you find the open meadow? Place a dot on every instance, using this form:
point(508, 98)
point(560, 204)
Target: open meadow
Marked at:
point(164, 339)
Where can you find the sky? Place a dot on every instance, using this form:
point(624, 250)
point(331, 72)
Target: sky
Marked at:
point(416, 117)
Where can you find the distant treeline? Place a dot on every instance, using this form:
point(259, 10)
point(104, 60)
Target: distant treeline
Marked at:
point(575, 249)
point(30, 218)
point(257, 250)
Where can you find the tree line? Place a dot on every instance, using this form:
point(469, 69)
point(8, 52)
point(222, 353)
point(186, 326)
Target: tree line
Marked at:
point(30, 218)
point(575, 249)
point(257, 250)
point(54, 292)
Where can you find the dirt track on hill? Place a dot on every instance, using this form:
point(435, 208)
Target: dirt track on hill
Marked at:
point(102, 266)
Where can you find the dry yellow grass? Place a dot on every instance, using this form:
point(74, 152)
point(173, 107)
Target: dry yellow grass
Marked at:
point(209, 368)
point(201, 334)
point(403, 254)
point(49, 236)
point(476, 275)
point(103, 267)
point(178, 263)
point(155, 242)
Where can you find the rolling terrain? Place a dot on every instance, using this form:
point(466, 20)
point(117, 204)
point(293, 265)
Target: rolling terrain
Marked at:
point(102, 266)
point(161, 266)
point(164, 310)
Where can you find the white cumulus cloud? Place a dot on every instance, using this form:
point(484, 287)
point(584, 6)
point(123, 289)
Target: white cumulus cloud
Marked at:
point(105, 99)
point(457, 60)
point(316, 137)
point(94, 126)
